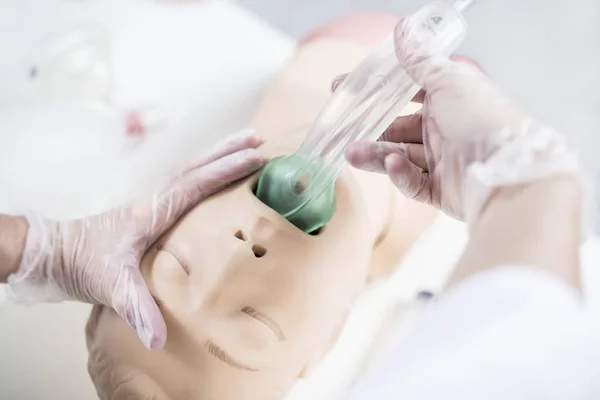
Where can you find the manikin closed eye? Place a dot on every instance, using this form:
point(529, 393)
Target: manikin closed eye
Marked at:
point(216, 351)
point(167, 248)
point(265, 320)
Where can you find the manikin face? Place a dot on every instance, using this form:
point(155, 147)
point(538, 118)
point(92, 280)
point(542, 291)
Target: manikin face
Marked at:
point(249, 300)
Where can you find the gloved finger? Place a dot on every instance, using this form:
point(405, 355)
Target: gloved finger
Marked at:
point(422, 62)
point(456, 59)
point(411, 180)
point(215, 176)
point(133, 302)
point(419, 97)
point(466, 60)
point(196, 185)
point(371, 156)
point(406, 129)
point(241, 140)
point(336, 81)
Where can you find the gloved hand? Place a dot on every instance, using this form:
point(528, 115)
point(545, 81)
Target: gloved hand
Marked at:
point(468, 138)
point(97, 259)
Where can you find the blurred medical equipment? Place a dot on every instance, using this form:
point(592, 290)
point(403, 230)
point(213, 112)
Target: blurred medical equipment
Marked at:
point(75, 65)
point(65, 128)
point(301, 186)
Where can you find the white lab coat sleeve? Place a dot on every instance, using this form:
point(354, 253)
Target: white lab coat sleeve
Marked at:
point(511, 333)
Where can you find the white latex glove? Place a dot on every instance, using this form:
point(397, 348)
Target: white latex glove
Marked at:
point(97, 259)
point(468, 139)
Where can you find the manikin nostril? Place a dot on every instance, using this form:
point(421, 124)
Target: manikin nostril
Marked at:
point(240, 235)
point(259, 251)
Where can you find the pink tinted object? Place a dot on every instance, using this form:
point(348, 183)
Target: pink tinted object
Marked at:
point(134, 125)
point(365, 29)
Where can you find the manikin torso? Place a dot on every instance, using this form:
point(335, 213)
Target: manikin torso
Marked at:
point(250, 301)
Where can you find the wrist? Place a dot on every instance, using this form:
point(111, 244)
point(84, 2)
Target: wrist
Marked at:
point(13, 237)
point(521, 160)
point(556, 191)
point(32, 280)
point(536, 224)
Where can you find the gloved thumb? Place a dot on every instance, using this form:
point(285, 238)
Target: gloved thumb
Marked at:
point(233, 159)
point(411, 180)
point(404, 163)
point(133, 302)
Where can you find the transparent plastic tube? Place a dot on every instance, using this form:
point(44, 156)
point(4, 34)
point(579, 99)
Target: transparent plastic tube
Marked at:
point(362, 107)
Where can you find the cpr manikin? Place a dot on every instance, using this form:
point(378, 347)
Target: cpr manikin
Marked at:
point(250, 301)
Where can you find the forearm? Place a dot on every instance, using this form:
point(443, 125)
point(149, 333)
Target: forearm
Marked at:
point(536, 224)
point(13, 234)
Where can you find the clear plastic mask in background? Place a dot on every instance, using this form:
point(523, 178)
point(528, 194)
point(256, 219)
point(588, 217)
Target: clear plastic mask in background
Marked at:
point(75, 64)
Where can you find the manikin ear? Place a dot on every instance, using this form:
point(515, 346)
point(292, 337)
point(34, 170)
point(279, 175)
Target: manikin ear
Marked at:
point(167, 280)
point(115, 381)
point(134, 384)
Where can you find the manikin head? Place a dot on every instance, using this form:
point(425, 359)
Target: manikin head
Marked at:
point(249, 299)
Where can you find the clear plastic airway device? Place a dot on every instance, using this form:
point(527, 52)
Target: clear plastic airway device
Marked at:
point(301, 186)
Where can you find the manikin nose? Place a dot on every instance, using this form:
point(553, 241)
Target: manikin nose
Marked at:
point(258, 250)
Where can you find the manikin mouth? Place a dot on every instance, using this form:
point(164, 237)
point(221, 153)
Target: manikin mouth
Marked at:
point(254, 188)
